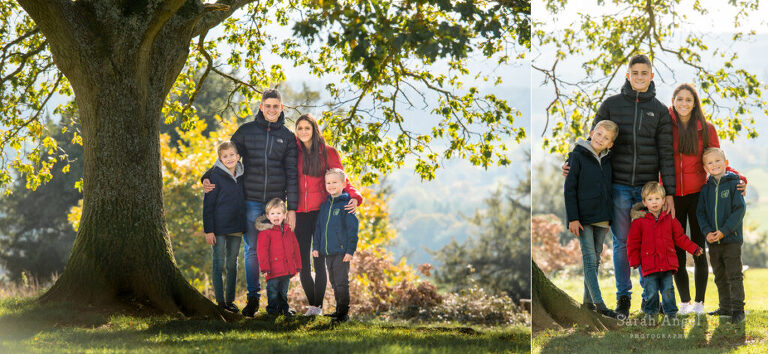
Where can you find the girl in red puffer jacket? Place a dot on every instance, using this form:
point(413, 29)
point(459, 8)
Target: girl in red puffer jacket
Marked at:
point(315, 158)
point(692, 134)
point(651, 243)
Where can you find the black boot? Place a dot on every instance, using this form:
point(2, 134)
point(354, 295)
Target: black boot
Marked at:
point(720, 312)
point(589, 306)
point(622, 306)
point(231, 307)
point(738, 317)
point(605, 311)
point(251, 307)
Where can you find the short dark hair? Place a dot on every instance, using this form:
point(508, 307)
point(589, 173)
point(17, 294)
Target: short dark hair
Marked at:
point(271, 93)
point(639, 59)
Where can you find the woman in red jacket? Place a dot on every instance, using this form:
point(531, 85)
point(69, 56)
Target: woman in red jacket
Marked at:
point(315, 157)
point(692, 134)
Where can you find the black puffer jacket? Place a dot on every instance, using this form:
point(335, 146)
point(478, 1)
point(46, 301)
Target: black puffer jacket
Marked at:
point(644, 145)
point(270, 158)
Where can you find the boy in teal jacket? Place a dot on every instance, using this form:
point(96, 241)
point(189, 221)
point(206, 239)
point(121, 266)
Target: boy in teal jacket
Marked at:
point(721, 212)
point(336, 238)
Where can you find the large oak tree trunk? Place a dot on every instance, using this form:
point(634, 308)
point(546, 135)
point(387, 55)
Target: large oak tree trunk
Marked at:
point(122, 59)
point(553, 308)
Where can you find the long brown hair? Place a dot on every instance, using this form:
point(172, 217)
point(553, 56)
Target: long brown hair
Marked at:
point(688, 142)
point(314, 160)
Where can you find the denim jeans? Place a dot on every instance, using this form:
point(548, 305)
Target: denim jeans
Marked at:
point(591, 241)
point(225, 252)
point(624, 197)
point(252, 211)
point(277, 295)
point(652, 285)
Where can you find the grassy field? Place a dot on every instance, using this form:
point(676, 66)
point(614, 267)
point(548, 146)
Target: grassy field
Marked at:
point(28, 327)
point(690, 334)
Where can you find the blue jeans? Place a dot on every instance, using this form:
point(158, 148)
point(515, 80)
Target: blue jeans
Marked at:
point(655, 283)
point(225, 251)
point(591, 241)
point(624, 197)
point(252, 211)
point(277, 295)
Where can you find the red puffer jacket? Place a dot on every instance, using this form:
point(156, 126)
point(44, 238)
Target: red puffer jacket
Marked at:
point(689, 170)
point(312, 191)
point(277, 249)
point(651, 243)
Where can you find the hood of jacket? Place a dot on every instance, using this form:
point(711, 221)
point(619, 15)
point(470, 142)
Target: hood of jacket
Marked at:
point(262, 223)
point(629, 93)
point(239, 169)
point(727, 177)
point(639, 211)
point(588, 146)
point(260, 120)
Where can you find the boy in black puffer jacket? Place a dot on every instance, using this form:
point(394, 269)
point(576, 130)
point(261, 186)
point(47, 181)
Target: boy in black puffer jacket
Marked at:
point(336, 238)
point(721, 212)
point(588, 204)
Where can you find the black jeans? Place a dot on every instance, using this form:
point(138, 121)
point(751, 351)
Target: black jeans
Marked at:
point(685, 211)
point(726, 265)
point(313, 288)
point(338, 272)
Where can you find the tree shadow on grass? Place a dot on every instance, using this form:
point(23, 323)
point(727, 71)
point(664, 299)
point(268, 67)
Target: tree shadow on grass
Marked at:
point(76, 328)
point(650, 336)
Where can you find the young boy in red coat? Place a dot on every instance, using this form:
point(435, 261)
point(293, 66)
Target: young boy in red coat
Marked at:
point(651, 243)
point(279, 257)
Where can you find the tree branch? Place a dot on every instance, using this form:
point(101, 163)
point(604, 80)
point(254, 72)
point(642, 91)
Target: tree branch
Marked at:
point(58, 21)
point(216, 14)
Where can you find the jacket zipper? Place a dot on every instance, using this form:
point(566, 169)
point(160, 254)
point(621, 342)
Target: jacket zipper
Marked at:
point(682, 191)
point(330, 208)
point(717, 194)
point(634, 139)
point(306, 208)
point(266, 164)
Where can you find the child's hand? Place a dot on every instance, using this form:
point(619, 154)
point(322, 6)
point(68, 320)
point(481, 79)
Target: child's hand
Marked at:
point(347, 258)
point(210, 238)
point(718, 235)
point(710, 237)
point(699, 252)
point(208, 186)
point(315, 254)
point(574, 227)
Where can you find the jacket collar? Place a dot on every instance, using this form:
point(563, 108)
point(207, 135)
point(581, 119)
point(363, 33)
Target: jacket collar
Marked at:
point(260, 120)
point(630, 94)
point(344, 197)
point(728, 176)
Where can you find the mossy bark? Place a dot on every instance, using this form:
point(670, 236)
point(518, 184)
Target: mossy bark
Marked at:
point(553, 308)
point(122, 60)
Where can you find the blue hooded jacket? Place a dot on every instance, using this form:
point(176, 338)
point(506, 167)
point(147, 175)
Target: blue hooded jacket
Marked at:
point(722, 207)
point(336, 229)
point(224, 206)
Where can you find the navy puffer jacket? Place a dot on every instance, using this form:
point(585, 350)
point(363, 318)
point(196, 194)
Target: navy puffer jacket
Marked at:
point(336, 229)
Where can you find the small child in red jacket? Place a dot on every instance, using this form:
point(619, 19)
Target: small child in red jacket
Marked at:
point(651, 243)
point(279, 257)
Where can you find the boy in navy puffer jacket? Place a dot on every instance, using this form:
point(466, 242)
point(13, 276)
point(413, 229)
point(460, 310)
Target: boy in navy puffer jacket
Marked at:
point(336, 238)
point(721, 212)
point(224, 221)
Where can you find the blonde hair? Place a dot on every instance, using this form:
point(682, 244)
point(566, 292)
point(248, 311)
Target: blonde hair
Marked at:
point(337, 171)
point(652, 188)
point(276, 203)
point(712, 150)
point(225, 145)
point(609, 126)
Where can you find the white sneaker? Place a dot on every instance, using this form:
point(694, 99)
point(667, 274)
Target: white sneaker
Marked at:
point(698, 307)
point(318, 311)
point(311, 311)
point(685, 308)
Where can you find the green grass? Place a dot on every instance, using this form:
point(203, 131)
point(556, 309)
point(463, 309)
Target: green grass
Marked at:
point(26, 326)
point(705, 334)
